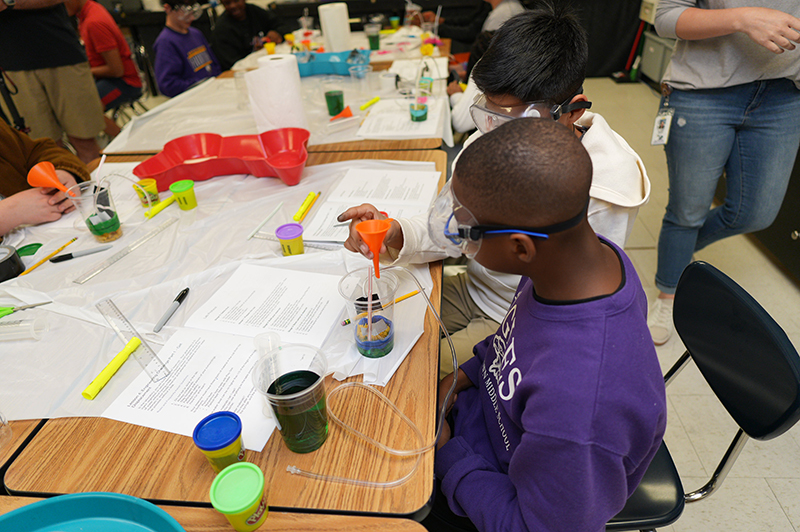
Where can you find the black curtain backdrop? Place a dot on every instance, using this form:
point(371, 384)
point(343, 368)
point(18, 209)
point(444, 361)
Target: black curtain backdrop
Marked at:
point(612, 27)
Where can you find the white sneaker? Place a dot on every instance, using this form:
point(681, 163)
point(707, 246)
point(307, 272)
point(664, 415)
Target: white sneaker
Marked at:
point(659, 320)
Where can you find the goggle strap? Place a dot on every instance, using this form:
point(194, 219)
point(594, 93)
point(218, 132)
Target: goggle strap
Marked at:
point(475, 232)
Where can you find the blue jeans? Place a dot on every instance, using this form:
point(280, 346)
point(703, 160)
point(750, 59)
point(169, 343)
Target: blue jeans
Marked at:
point(750, 131)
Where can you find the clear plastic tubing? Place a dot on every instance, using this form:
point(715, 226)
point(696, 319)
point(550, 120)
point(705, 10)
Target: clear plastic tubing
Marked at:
point(418, 452)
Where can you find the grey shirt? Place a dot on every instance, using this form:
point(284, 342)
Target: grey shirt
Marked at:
point(724, 61)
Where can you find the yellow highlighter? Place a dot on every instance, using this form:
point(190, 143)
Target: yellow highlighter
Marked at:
point(101, 380)
point(304, 207)
point(159, 207)
point(373, 101)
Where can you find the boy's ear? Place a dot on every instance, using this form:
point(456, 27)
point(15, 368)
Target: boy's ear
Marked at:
point(573, 116)
point(524, 247)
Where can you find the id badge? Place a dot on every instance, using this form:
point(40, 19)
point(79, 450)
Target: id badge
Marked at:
point(661, 126)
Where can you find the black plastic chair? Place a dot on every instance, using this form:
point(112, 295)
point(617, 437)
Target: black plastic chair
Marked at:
point(749, 363)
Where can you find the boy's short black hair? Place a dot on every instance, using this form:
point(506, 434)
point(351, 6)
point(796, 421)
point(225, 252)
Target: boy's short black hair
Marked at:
point(177, 3)
point(540, 54)
point(528, 172)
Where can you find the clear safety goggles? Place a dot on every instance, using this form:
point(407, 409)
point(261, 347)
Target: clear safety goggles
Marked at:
point(190, 12)
point(488, 115)
point(454, 228)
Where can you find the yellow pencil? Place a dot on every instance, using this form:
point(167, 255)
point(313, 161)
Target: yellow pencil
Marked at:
point(396, 300)
point(313, 201)
point(51, 255)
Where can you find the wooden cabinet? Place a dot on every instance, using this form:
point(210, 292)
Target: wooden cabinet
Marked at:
point(782, 238)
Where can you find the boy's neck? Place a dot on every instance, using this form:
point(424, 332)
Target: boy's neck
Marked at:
point(578, 267)
point(177, 26)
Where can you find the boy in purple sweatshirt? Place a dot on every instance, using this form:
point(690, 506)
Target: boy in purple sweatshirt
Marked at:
point(183, 55)
point(559, 413)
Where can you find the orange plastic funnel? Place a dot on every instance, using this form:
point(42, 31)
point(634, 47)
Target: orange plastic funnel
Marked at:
point(346, 113)
point(372, 233)
point(43, 175)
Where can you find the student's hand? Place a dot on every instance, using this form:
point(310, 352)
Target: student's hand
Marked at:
point(445, 436)
point(365, 211)
point(430, 16)
point(58, 197)
point(453, 87)
point(774, 30)
point(274, 36)
point(32, 206)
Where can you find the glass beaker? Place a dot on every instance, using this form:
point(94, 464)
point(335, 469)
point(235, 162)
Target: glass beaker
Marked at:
point(292, 378)
point(94, 202)
point(374, 338)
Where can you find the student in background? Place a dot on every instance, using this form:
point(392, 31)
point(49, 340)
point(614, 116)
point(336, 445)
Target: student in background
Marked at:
point(183, 55)
point(42, 54)
point(559, 413)
point(109, 55)
point(19, 203)
point(467, 29)
point(240, 30)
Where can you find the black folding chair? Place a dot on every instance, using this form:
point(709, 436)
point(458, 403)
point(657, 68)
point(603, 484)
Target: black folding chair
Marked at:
point(749, 363)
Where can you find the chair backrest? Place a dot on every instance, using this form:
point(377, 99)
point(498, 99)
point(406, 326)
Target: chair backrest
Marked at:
point(744, 355)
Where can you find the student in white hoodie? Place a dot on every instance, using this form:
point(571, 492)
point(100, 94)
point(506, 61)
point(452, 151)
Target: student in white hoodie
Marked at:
point(534, 67)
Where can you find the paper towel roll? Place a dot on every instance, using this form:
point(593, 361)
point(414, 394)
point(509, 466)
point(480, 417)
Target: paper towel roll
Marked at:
point(334, 20)
point(276, 97)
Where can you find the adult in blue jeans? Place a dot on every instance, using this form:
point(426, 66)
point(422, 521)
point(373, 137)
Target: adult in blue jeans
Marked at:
point(733, 91)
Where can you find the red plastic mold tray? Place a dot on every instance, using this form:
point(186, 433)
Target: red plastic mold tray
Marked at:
point(277, 153)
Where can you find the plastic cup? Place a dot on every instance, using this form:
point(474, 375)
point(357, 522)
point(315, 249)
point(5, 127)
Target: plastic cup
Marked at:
point(242, 95)
point(291, 238)
point(5, 431)
point(373, 32)
point(27, 329)
point(334, 94)
point(292, 379)
point(93, 200)
point(269, 47)
point(426, 84)
point(360, 74)
point(219, 436)
point(395, 22)
point(238, 494)
point(419, 112)
point(377, 340)
point(147, 190)
point(184, 194)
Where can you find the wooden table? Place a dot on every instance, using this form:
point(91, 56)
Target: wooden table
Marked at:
point(208, 520)
point(20, 430)
point(94, 454)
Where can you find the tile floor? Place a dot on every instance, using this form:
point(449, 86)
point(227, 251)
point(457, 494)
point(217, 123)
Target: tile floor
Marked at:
point(762, 492)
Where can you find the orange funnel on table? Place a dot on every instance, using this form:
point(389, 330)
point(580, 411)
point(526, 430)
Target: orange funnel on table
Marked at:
point(43, 175)
point(346, 113)
point(373, 232)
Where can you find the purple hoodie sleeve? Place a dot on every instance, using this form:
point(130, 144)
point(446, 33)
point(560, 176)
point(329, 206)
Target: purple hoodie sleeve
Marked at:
point(552, 485)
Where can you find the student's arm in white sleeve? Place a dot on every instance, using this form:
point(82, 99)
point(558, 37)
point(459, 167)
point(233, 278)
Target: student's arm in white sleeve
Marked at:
point(462, 120)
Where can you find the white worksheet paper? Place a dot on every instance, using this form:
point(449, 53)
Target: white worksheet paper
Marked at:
point(391, 119)
point(300, 306)
point(399, 193)
point(209, 372)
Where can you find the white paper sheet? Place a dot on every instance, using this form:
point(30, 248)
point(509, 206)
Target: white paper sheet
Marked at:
point(400, 194)
point(301, 307)
point(391, 119)
point(209, 372)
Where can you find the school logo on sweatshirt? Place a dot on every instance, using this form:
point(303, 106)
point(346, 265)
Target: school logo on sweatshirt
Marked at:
point(199, 58)
point(496, 384)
